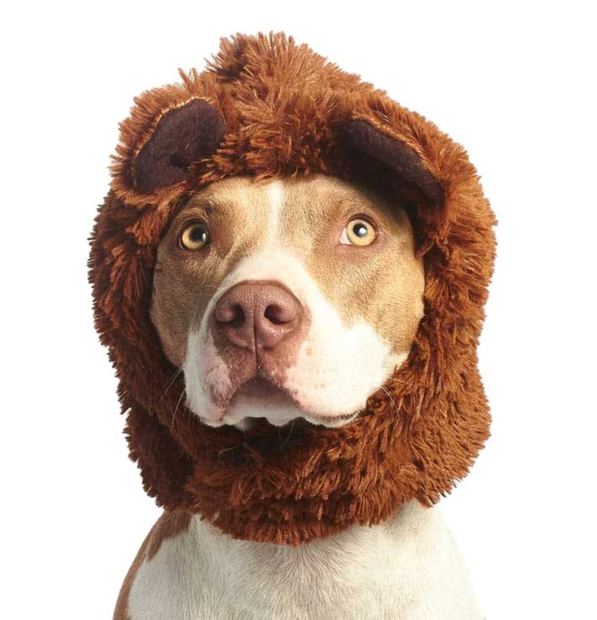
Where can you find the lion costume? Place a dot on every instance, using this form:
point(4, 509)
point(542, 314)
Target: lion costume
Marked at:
point(268, 107)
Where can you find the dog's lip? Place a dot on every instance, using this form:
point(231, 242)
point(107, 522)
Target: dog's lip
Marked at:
point(257, 390)
point(262, 388)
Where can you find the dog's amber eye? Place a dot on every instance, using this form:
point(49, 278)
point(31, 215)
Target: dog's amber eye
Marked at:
point(194, 237)
point(358, 232)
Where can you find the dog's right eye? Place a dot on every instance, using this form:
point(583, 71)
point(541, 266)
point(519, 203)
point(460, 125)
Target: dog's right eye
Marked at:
point(358, 232)
point(194, 237)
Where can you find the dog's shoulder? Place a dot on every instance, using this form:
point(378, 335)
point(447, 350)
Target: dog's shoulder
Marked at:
point(170, 525)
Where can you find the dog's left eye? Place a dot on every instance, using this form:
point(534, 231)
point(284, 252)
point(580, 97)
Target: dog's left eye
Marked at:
point(194, 237)
point(358, 232)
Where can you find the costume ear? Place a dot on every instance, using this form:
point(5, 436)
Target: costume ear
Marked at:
point(182, 136)
point(361, 136)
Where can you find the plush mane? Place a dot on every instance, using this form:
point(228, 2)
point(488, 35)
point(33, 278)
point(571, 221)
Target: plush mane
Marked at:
point(284, 110)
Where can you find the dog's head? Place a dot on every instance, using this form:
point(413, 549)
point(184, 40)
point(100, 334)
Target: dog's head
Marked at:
point(290, 273)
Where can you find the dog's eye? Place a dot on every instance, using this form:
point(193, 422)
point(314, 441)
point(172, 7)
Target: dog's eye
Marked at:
point(194, 237)
point(358, 232)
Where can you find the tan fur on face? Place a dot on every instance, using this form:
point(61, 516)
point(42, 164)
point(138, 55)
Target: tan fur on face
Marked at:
point(184, 282)
point(380, 286)
point(382, 283)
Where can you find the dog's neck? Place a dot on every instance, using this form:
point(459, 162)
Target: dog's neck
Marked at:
point(396, 569)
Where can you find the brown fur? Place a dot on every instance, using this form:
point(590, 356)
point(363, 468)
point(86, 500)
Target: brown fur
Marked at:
point(284, 107)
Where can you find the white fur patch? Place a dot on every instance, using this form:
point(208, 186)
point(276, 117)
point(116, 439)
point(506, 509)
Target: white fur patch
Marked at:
point(275, 192)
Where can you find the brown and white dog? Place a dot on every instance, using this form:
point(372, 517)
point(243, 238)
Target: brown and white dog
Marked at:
point(290, 272)
point(292, 300)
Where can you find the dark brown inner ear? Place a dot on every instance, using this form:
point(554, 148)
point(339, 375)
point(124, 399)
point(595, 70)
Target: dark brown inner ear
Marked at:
point(361, 137)
point(183, 136)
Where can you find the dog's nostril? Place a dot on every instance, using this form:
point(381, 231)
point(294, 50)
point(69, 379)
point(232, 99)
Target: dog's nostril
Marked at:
point(279, 315)
point(232, 314)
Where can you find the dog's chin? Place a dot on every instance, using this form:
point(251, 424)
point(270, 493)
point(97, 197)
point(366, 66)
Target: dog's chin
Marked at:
point(261, 399)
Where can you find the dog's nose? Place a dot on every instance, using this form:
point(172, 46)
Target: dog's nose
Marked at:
point(257, 315)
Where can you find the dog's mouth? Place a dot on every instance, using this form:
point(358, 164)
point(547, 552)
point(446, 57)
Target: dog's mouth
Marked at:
point(259, 397)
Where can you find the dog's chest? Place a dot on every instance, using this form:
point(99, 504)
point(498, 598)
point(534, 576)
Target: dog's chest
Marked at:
point(407, 568)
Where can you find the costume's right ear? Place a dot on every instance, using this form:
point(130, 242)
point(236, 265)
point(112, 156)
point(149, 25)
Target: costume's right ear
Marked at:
point(362, 137)
point(182, 136)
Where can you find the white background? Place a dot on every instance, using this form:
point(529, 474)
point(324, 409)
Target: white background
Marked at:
point(513, 82)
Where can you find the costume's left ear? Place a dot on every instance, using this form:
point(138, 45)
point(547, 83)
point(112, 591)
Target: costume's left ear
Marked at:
point(159, 146)
point(362, 137)
point(182, 136)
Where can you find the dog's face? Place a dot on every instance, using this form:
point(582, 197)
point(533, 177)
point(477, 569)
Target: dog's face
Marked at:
point(286, 298)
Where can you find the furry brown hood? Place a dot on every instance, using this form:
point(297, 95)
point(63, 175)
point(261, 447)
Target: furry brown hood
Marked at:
point(267, 107)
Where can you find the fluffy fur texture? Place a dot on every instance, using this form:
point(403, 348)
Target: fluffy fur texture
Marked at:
point(287, 111)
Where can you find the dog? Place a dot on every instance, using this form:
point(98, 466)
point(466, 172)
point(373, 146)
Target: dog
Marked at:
point(290, 273)
point(292, 301)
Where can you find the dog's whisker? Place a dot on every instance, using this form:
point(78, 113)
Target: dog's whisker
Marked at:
point(170, 384)
point(282, 444)
point(182, 394)
point(387, 393)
